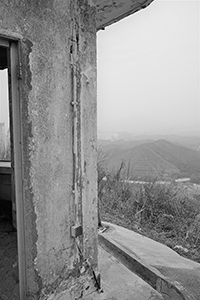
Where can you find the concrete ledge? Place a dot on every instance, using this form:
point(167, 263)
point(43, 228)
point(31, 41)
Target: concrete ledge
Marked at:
point(119, 283)
point(168, 289)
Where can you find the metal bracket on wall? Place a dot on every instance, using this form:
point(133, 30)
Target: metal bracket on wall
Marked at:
point(76, 231)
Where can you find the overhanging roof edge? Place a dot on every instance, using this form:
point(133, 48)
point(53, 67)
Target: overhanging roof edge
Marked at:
point(105, 23)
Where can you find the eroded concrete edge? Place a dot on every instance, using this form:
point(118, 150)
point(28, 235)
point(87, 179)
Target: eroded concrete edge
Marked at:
point(153, 277)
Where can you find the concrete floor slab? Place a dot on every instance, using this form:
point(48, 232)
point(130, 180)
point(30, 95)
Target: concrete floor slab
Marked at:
point(156, 263)
point(119, 283)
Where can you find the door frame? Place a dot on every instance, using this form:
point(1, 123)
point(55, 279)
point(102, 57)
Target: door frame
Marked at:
point(16, 122)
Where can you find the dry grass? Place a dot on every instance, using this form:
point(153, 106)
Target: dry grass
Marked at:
point(163, 212)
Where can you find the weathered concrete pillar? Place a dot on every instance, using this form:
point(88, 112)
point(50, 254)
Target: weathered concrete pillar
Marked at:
point(56, 41)
point(52, 65)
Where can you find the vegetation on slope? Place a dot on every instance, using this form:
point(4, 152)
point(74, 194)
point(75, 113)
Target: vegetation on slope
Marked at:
point(163, 212)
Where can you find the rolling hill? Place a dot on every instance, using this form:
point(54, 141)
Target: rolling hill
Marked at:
point(161, 159)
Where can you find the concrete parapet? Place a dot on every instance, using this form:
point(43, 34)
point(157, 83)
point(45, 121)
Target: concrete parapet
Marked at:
point(170, 286)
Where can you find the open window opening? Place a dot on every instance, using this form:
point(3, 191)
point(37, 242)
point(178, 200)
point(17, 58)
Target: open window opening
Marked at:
point(148, 117)
point(9, 275)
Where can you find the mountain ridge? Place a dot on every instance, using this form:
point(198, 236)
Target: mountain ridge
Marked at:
point(159, 158)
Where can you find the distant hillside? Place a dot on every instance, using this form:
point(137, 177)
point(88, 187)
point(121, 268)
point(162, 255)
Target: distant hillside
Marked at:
point(192, 142)
point(160, 159)
point(121, 145)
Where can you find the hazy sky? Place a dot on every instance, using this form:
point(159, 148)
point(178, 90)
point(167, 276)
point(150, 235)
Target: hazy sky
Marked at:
point(148, 70)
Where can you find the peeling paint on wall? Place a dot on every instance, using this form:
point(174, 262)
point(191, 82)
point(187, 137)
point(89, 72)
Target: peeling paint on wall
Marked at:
point(44, 28)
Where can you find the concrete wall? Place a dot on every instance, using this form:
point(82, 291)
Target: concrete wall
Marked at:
point(57, 49)
point(52, 33)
